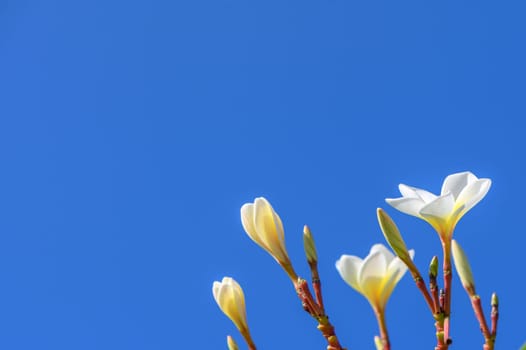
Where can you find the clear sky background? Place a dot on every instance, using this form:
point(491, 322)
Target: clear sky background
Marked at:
point(131, 132)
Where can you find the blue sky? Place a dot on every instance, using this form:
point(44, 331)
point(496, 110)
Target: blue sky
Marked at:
point(131, 132)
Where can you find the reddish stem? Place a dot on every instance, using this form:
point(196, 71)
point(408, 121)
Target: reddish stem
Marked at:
point(433, 289)
point(439, 316)
point(440, 336)
point(380, 316)
point(383, 330)
point(432, 306)
point(316, 284)
point(441, 300)
point(446, 246)
point(248, 339)
point(420, 284)
point(479, 314)
point(316, 311)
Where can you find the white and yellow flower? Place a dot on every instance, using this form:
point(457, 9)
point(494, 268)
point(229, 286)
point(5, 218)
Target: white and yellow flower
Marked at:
point(263, 226)
point(231, 300)
point(375, 276)
point(460, 192)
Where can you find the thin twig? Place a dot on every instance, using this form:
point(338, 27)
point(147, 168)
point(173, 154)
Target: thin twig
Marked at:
point(479, 314)
point(316, 284)
point(380, 316)
point(446, 246)
point(420, 284)
point(315, 310)
point(433, 289)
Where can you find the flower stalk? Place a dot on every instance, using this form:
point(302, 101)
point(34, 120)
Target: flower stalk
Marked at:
point(479, 314)
point(314, 305)
point(438, 304)
point(384, 335)
point(446, 246)
point(314, 309)
point(312, 260)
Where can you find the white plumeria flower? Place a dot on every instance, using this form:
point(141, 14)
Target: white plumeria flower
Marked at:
point(263, 226)
point(460, 192)
point(231, 300)
point(375, 276)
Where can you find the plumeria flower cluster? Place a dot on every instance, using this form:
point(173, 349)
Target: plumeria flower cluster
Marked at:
point(376, 275)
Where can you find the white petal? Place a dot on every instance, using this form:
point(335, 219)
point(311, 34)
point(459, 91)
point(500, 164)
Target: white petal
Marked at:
point(409, 206)
point(239, 298)
point(439, 208)
point(407, 191)
point(395, 272)
point(230, 305)
point(473, 194)
point(279, 228)
point(247, 220)
point(215, 290)
point(455, 183)
point(224, 299)
point(238, 293)
point(413, 192)
point(398, 268)
point(395, 268)
point(372, 272)
point(389, 284)
point(384, 251)
point(348, 266)
point(264, 222)
point(425, 195)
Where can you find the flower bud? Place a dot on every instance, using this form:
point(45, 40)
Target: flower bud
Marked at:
point(231, 300)
point(433, 267)
point(463, 268)
point(494, 300)
point(231, 343)
point(309, 246)
point(263, 225)
point(393, 236)
point(378, 343)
